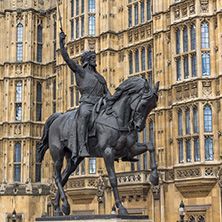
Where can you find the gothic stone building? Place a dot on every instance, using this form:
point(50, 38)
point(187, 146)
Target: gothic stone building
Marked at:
point(176, 42)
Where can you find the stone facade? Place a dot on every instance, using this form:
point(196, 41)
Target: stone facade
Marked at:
point(178, 43)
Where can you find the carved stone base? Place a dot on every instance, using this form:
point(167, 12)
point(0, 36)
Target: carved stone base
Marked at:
point(95, 218)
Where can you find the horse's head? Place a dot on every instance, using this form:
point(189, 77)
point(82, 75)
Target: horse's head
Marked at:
point(142, 104)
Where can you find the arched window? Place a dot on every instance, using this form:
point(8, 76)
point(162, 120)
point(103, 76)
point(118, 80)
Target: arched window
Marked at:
point(187, 117)
point(91, 5)
point(137, 68)
point(209, 148)
point(92, 165)
point(72, 8)
point(186, 67)
point(83, 6)
point(178, 66)
point(143, 59)
point(82, 26)
point(177, 41)
point(196, 150)
point(83, 167)
point(207, 119)
point(39, 43)
point(77, 7)
point(130, 15)
point(39, 102)
point(151, 132)
point(188, 150)
point(150, 57)
point(185, 39)
point(193, 37)
point(195, 120)
point(180, 123)
point(142, 9)
point(17, 163)
point(19, 44)
point(205, 43)
point(194, 65)
point(72, 97)
point(206, 64)
point(136, 14)
point(18, 101)
point(54, 90)
point(130, 63)
point(181, 152)
point(92, 25)
point(148, 9)
point(37, 168)
point(77, 28)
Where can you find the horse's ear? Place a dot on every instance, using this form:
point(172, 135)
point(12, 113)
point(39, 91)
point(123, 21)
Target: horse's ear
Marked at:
point(156, 88)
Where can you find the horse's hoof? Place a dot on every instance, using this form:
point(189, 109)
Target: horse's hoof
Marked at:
point(66, 208)
point(122, 211)
point(154, 178)
point(58, 213)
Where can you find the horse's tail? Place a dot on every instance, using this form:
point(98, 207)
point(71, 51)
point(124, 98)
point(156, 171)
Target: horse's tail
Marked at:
point(43, 145)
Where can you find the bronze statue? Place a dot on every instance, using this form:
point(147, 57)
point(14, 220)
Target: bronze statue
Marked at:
point(92, 87)
point(112, 135)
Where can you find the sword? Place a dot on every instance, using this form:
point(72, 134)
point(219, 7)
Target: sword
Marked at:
point(60, 18)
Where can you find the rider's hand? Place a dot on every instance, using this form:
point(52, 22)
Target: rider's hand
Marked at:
point(62, 35)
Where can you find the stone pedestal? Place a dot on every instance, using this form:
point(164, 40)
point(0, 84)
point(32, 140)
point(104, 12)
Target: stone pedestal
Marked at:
point(95, 218)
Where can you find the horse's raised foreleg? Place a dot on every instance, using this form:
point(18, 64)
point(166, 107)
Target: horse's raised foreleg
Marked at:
point(139, 148)
point(70, 167)
point(109, 162)
point(154, 178)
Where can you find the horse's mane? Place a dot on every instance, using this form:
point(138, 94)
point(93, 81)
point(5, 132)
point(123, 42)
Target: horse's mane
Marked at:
point(130, 86)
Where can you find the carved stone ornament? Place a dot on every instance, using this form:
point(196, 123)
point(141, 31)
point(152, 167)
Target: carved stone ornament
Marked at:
point(207, 89)
point(219, 177)
point(192, 9)
point(156, 192)
point(92, 43)
point(184, 11)
point(101, 186)
point(130, 37)
point(204, 5)
point(177, 13)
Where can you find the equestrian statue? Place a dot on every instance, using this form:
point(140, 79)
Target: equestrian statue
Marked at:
point(103, 126)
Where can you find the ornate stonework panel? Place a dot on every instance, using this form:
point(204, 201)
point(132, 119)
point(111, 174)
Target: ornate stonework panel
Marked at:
point(204, 5)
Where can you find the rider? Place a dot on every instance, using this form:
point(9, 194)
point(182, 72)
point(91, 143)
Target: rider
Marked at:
point(92, 87)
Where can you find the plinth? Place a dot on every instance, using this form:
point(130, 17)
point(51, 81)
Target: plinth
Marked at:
point(95, 218)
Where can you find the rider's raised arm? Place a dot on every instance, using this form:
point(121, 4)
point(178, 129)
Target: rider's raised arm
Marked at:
point(75, 67)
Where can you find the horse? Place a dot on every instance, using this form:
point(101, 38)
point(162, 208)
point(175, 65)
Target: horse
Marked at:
point(116, 134)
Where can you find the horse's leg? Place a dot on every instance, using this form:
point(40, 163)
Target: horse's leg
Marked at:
point(70, 167)
point(139, 148)
point(154, 178)
point(109, 161)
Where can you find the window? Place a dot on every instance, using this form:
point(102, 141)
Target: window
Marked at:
point(54, 90)
point(205, 64)
point(91, 5)
point(180, 123)
point(142, 9)
point(132, 166)
point(82, 26)
point(72, 8)
point(92, 165)
point(209, 148)
point(150, 60)
point(72, 30)
point(39, 43)
point(188, 150)
point(18, 101)
point(139, 162)
point(92, 28)
point(130, 63)
point(77, 7)
point(130, 15)
point(143, 60)
point(150, 78)
point(17, 163)
point(137, 68)
point(181, 155)
point(136, 14)
point(37, 169)
point(19, 44)
point(39, 102)
point(55, 30)
point(185, 39)
point(72, 97)
point(54, 107)
point(196, 150)
point(179, 69)
point(187, 115)
point(151, 133)
point(204, 35)
point(83, 167)
point(77, 28)
point(207, 119)
point(186, 67)
point(177, 41)
point(72, 77)
point(148, 9)
point(83, 6)
point(145, 165)
point(194, 65)
point(193, 37)
point(195, 120)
